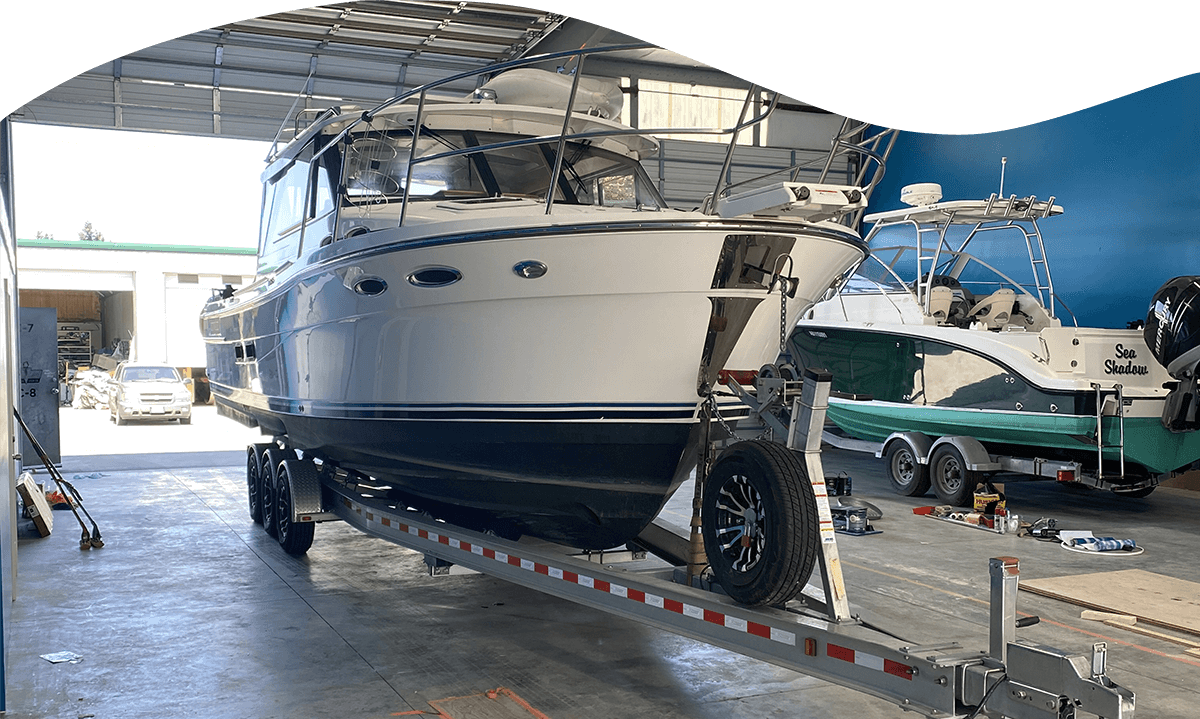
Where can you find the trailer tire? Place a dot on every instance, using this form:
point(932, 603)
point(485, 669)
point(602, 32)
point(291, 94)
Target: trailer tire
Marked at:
point(952, 482)
point(769, 482)
point(271, 457)
point(908, 476)
point(254, 481)
point(294, 537)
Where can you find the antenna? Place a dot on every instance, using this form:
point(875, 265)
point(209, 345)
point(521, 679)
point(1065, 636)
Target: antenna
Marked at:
point(1003, 162)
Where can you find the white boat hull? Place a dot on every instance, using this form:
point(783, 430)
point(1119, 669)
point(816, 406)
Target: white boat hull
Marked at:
point(564, 405)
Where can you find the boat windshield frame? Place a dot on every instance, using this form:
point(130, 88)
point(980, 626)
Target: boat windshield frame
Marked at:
point(484, 165)
point(328, 130)
point(943, 259)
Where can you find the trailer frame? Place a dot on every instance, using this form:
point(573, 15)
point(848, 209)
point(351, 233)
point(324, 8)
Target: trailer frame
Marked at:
point(816, 634)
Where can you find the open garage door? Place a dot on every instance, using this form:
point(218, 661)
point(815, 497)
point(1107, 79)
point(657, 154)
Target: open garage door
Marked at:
point(94, 326)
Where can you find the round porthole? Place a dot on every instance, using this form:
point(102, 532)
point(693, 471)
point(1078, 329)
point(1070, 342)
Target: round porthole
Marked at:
point(529, 269)
point(435, 277)
point(370, 286)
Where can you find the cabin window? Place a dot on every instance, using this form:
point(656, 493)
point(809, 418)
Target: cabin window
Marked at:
point(376, 168)
point(302, 198)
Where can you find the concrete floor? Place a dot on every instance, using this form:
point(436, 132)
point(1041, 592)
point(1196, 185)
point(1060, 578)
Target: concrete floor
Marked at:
point(191, 610)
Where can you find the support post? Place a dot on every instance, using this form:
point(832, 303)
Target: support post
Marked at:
point(804, 434)
point(697, 557)
point(1005, 573)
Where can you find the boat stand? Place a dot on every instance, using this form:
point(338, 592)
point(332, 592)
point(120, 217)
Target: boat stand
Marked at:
point(935, 678)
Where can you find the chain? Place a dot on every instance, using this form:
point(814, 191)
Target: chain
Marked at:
point(716, 413)
point(782, 316)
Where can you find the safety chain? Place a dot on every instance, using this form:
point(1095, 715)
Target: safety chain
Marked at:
point(778, 277)
point(713, 411)
point(782, 316)
point(716, 413)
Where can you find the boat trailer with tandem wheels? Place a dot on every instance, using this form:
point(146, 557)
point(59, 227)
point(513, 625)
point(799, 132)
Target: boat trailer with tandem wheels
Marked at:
point(814, 633)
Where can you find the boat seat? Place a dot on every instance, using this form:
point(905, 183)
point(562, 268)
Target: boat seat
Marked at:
point(1029, 315)
point(940, 299)
point(994, 310)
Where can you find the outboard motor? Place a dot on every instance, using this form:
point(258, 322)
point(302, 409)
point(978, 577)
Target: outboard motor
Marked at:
point(1172, 332)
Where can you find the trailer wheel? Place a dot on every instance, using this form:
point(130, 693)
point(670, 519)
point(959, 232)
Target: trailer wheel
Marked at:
point(294, 537)
point(952, 482)
point(759, 522)
point(269, 468)
point(1135, 493)
point(908, 476)
point(254, 481)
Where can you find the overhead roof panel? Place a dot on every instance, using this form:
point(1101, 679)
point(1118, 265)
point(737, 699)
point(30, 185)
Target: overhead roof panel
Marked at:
point(361, 52)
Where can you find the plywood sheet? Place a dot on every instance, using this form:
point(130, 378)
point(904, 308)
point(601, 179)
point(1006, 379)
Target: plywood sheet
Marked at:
point(1152, 598)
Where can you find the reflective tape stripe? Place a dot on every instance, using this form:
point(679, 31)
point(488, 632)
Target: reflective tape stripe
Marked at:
point(674, 606)
point(869, 661)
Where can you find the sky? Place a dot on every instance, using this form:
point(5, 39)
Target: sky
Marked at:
point(137, 187)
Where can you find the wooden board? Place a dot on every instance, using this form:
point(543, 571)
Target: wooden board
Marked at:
point(1195, 646)
point(36, 504)
point(1153, 598)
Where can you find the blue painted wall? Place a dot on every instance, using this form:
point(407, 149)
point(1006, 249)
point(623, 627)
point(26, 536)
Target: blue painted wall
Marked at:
point(1127, 174)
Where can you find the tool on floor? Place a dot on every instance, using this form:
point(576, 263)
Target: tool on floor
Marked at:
point(86, 540)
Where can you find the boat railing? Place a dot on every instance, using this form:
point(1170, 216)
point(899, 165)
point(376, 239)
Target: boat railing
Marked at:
point(421, 95)
point(956, 262)
point(1016, 215)
point(854, 136)
point(870, 150)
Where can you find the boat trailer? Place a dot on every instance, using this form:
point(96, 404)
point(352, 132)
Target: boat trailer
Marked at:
point(815, 634)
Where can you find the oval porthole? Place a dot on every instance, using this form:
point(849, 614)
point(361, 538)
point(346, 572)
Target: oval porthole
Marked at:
point(529, 269)
point(370, 286)
point(435, 277)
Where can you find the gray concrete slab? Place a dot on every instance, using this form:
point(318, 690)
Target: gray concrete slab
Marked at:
point(191, 610)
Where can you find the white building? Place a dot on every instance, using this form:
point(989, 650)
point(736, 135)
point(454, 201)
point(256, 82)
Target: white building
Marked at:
point(149, 296)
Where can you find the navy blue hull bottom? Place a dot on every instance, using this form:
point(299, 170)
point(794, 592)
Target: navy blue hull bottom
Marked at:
point(587, 484)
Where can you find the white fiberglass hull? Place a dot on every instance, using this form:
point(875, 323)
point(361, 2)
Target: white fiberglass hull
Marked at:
point(563, 403)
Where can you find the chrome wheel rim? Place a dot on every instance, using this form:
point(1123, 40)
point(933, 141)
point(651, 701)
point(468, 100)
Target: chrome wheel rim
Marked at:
point(740, 524)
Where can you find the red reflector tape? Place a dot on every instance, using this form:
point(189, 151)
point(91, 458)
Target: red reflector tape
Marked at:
point(897, 669)
point(869, 661)
point(709, 616)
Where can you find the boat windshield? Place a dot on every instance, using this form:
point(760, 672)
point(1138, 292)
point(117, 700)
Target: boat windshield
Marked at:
point(376, 167)
point(883, 271)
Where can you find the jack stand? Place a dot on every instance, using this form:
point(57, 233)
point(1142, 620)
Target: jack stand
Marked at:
point(804, 434)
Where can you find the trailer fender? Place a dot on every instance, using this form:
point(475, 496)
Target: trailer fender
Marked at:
point(304, 484)
point(920, 444)
point(973, 452)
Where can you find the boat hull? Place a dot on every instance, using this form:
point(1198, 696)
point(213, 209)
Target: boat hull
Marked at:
point(917, 382)
point(563, 406)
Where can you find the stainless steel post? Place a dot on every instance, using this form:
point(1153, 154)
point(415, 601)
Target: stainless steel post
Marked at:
point(1005, 572)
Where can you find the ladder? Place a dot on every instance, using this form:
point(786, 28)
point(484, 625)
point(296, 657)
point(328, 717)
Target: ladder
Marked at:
point(1101, 395)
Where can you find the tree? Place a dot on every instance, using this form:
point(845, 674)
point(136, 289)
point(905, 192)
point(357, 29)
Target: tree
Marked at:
point(44, 235)
point(88, 233)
